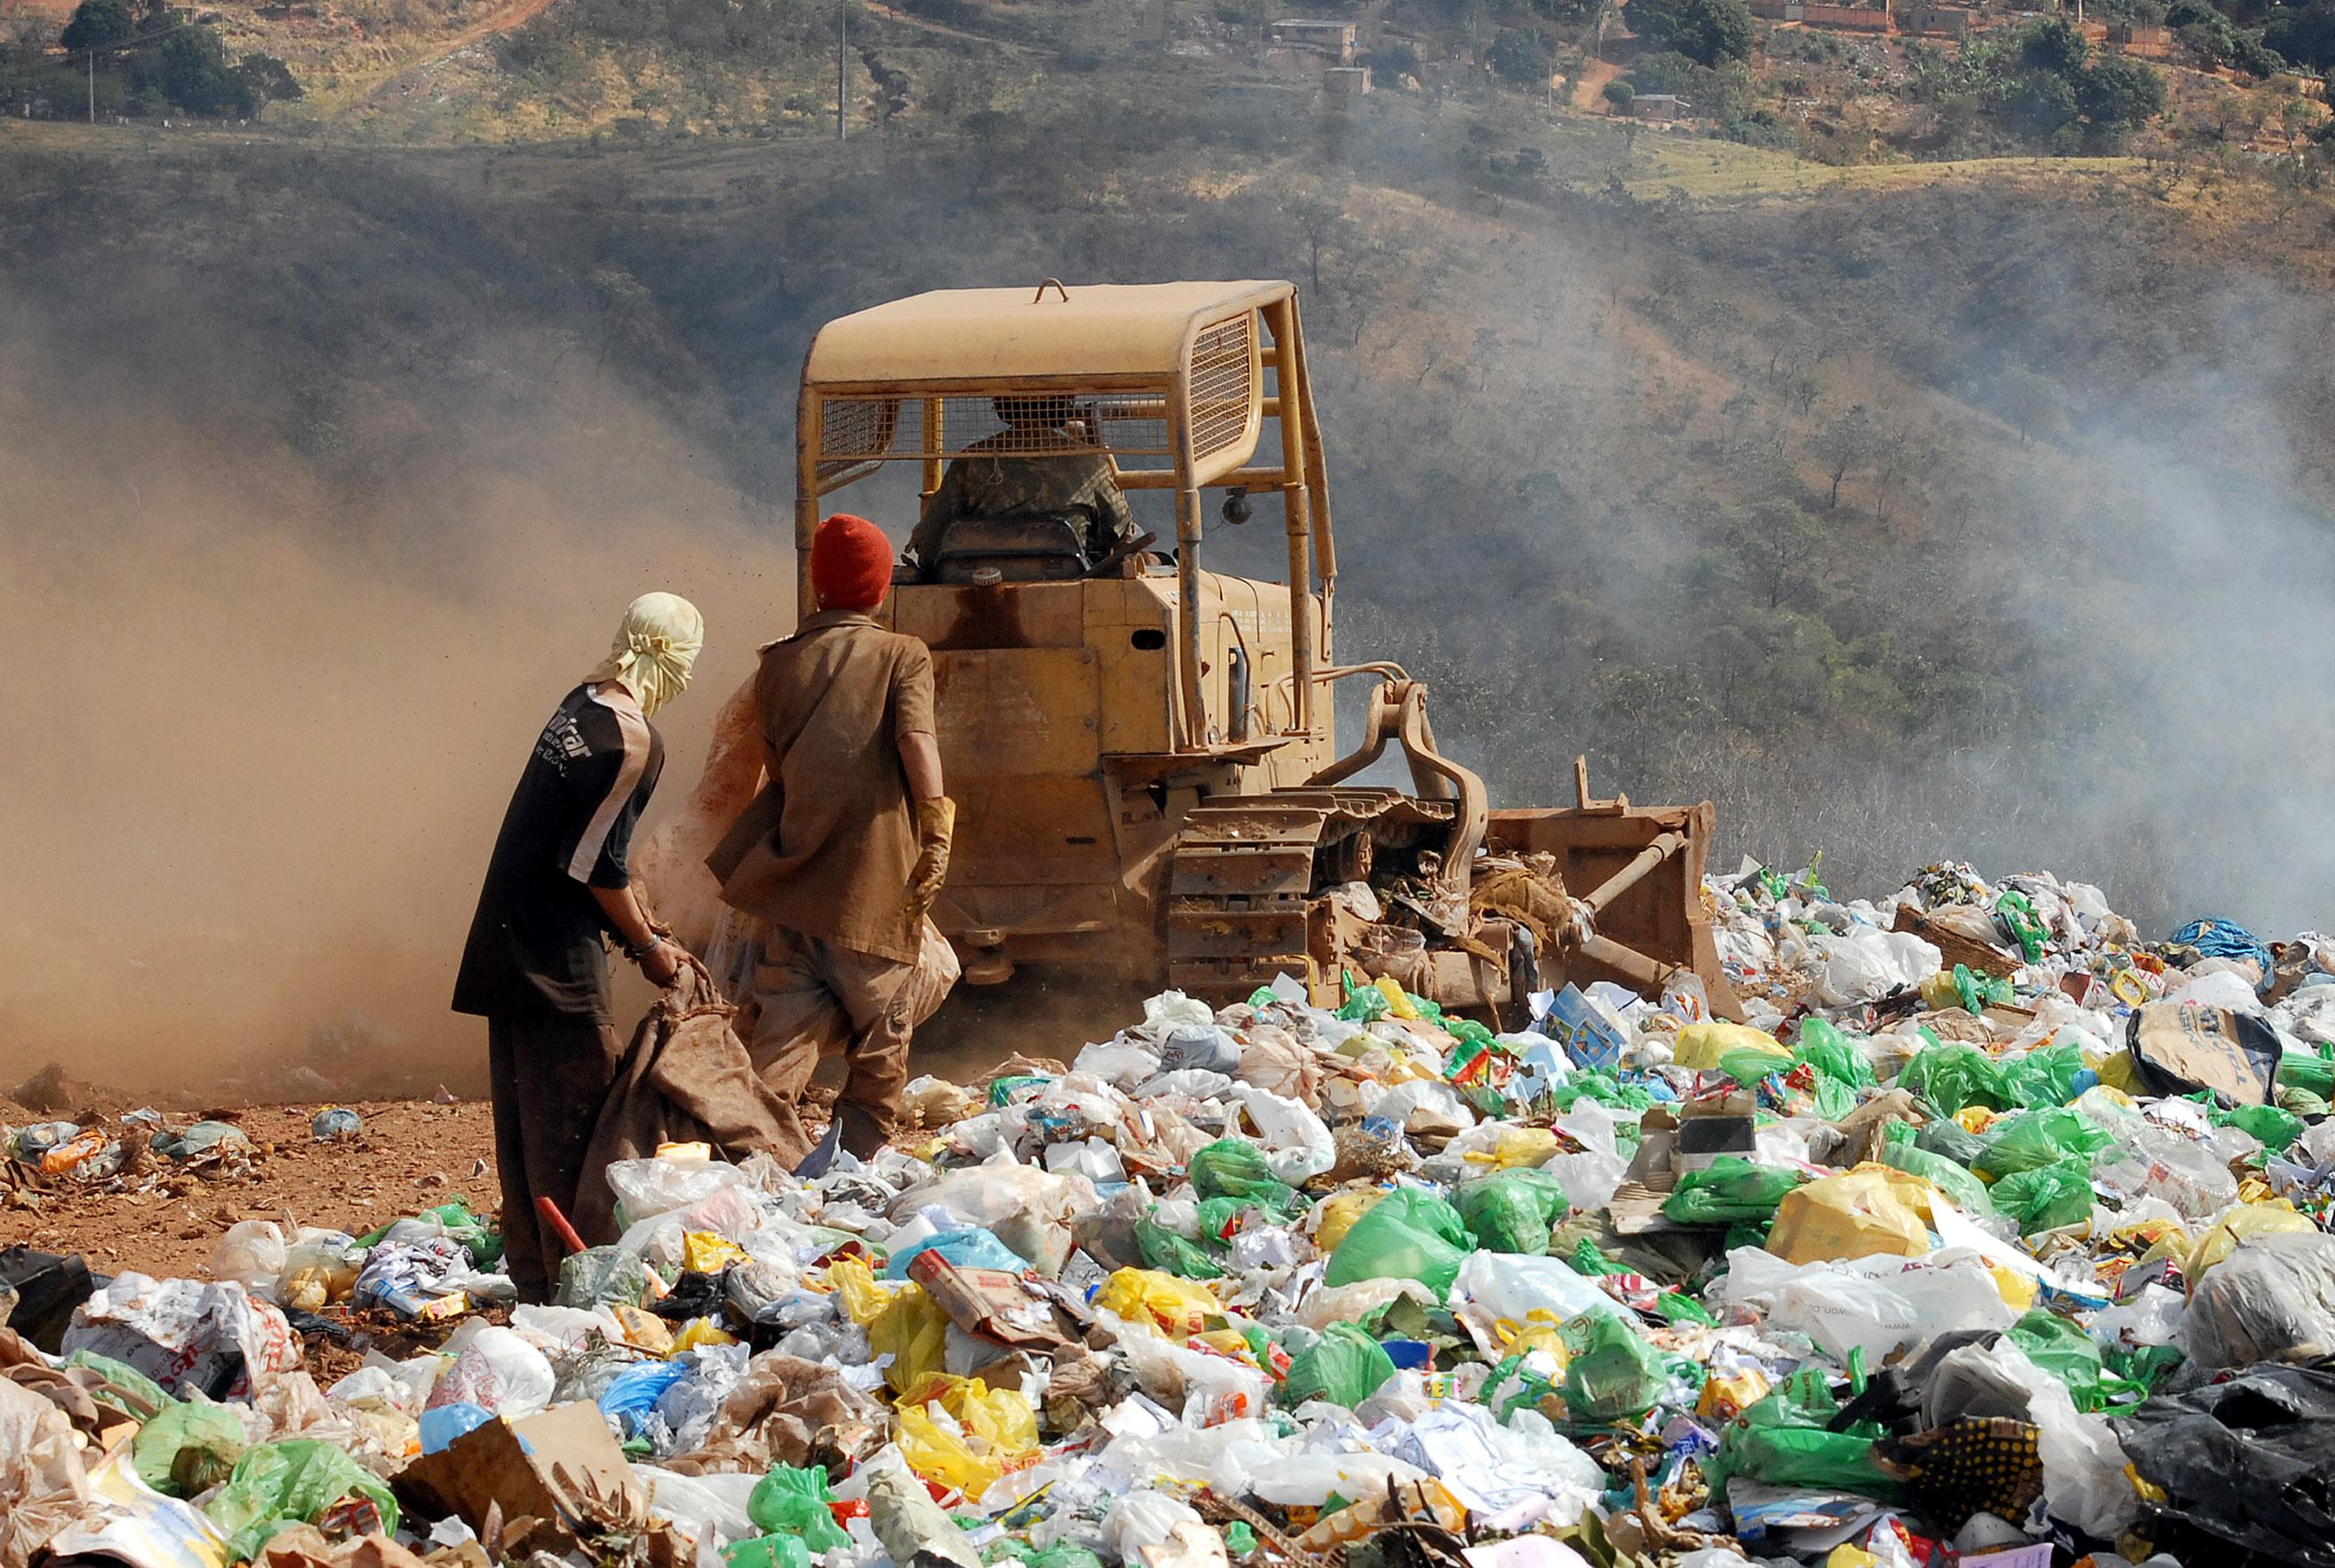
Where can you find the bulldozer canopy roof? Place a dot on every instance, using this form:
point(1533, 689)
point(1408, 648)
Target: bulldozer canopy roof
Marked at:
point(1001, 335)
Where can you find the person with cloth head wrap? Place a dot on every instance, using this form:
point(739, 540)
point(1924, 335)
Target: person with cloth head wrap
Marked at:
point(840, 856)
point(557, 887)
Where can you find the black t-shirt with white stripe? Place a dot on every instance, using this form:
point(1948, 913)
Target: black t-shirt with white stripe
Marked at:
point(535, 941)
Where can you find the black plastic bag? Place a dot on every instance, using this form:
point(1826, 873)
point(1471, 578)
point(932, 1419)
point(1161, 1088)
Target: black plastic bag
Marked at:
point(2244, 1462)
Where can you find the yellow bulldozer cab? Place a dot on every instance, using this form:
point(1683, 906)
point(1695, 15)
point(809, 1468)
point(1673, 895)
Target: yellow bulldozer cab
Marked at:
point(1175, 382)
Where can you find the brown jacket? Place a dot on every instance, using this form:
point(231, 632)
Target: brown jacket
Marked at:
point(827, 846)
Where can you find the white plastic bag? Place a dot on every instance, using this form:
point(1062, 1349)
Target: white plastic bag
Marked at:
point(1141, 1519)
point(1297, 1142)
point(251, 1254)
point(497, 1370)
point(645, 1188)
point(186, 1334)
point(1883, 1304)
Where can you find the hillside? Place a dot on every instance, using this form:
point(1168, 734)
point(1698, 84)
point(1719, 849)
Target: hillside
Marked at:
point(1904, 512)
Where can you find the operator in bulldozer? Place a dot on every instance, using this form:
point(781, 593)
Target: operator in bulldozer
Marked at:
point(1056, 470)
point(839, 857)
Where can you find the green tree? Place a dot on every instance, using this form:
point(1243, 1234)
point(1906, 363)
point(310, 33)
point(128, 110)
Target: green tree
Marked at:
point(1846, 443)
point(2118, 91)
point(1704, 31)
point(1776, 543)
point(1390, 61)
point(1523, 55)
point(2053, 45)
point(2040, 103)
point(1620, 94)
point(2304, 34)
point(98, 25)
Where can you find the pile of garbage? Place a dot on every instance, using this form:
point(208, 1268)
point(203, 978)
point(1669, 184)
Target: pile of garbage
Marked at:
point(1989, 1234)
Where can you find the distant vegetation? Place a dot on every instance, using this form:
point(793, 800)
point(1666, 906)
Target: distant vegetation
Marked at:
point(150, 60)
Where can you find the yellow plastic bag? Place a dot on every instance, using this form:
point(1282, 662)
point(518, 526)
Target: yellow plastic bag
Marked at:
point(1338, 1214)
point(942, 1456)
point(1152, 1298)
point(986, 1432)
point(699, 1333)
point(703, 1253)
point(855, 1286)
point(1859, 1214)
point(1700, 1045)
point(914, 1331)
point(1521, 1146)
point(644, 1331)
point(2018, 1291)
point(2241, 1223)
point(1726, 1395)
point(1397, 1004)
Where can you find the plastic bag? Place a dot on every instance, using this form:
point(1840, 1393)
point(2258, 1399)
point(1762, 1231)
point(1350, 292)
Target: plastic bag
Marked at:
point(2269, 1296)
point(1236, 1168)
point(2273, 1128)
point(1873, 1209)
point(2035, 1138)
point(495, 1369)
point(795, 1503)
point(1701, 1046)
point(294, 1482)
point(1513, 1210)
point(1408, 1234)
point(2244, 1223)
point(1611, 1374)
point(1337, 1213)
point(1968, 1194)
point(913, 1330)
point(1345, 1366)
point(187, 1449)
point(1169, 1252)
point(251, 1254)
point(1152, 1298)
point(1829, 1052)
point(635, 1392)
point(1950, 1076)
point(2046, 1198)
point(767, 1552)
point(1729, 1189)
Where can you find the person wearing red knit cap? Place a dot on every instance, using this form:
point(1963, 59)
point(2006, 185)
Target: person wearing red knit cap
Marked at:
point(841, 855)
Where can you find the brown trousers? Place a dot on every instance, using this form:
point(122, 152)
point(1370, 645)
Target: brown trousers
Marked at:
point(814, 997)
point(550, 1072)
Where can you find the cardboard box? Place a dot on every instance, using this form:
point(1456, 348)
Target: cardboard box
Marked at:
point(512, 1466)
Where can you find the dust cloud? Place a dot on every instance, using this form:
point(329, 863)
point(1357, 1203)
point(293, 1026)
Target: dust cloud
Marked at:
point(267, 728)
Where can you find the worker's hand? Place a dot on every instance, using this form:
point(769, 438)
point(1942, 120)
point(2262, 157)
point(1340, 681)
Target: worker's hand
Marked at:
point(935, 828)
point(662, 963)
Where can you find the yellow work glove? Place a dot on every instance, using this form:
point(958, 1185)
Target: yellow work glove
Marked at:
point(936, 825)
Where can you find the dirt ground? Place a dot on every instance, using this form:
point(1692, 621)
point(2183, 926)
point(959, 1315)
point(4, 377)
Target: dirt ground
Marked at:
point(412, 1155)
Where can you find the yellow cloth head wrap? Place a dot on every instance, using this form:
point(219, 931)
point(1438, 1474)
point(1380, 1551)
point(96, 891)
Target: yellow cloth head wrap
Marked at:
point(654, 649)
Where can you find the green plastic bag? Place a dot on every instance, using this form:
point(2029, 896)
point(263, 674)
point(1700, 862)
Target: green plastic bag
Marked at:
point(1951, 1077)
point(1748, 1066)
point(1363, 1004)
point(2064, 1350)
point(2313, 1074)
point(792, 1501)
point(2035, 1138)
point(1345, 1366)
point(2043, 1077)
point(1968, 1192)
point(1784, 1440)
point(1514, 1386)
point(2267, 1125)
point(295, 1482)
point(1164, 1250)
point(1408, 1234)
point(1729, 1189)
point(767, 1552)
point(1513, 1210)
point(1832, 1053)
point(128, 1382)
point(187, 1449)
point(1952, 1139)
point(1614, 1374)
point(1065, 1556)
point(2047, 1197)
point(1234, 1167)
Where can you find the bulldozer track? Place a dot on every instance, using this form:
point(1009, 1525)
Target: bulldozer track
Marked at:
point(1245, 870)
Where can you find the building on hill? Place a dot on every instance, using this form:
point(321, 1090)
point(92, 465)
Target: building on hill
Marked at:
point(1659, 106)
point(1335, 41)
point(2147, 43)
point(1808, 14)
point(1936, 21)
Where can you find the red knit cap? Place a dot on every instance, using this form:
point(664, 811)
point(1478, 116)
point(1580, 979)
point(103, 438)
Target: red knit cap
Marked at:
point(850, 563)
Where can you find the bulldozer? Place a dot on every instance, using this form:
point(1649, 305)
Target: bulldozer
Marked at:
point(1143, 751)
